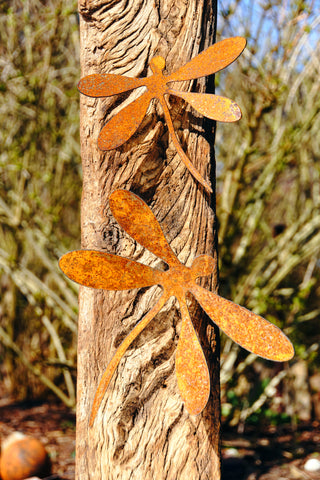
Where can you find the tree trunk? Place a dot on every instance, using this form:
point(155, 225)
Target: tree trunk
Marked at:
point(142, 430)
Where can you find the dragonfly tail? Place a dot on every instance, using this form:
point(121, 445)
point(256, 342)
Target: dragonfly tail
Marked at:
point(106, 377)
point(194, 172)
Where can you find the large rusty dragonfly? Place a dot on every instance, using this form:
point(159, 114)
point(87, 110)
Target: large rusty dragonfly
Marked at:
point(125, 123)
point(111, 272)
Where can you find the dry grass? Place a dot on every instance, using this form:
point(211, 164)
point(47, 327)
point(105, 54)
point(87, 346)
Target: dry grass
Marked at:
point(40, 191)
point(269, 193)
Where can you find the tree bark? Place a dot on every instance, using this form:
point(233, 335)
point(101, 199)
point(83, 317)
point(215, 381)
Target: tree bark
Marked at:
point(142, 430)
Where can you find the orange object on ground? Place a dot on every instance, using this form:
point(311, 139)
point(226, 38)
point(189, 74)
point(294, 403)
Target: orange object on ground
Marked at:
point(23, 457)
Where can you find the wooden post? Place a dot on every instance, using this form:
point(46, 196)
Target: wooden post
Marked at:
point(142, 431)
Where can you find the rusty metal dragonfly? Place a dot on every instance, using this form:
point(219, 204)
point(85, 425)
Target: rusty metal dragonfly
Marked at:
point(125, 123)
point(111, 272)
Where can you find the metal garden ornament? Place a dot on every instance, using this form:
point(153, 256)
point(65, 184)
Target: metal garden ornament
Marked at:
point(111, 272)
point(125, 123)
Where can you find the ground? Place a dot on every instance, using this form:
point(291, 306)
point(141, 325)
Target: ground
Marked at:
point(278, 453)
point(275, 454)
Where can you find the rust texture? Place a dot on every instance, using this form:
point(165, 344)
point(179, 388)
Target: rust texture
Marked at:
point(125, 123)
point(111, 272)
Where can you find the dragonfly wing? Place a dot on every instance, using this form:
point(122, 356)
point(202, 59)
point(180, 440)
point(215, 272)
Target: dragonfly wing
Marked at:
point(105, 85)
point(136, 218)
point(124, 124)
point(211, 60)
point(246, 328)
point(96, 269)
point(191, 367)
point(211, 106)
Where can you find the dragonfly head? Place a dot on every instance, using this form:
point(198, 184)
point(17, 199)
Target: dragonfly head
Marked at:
point(202, 266)
point(157, 64)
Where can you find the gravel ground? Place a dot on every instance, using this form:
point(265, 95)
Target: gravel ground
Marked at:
point(275, 454)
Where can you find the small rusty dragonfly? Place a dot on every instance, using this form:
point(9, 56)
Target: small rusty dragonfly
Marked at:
point(125, 123)
point(111, 272)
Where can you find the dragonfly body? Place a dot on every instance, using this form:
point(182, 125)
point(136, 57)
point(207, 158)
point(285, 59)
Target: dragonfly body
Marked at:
point(125, 123)
point(179, 279)
point(157, 83)
point(111, 272)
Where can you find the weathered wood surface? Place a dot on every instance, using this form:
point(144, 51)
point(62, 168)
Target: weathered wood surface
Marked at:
point(142, 430)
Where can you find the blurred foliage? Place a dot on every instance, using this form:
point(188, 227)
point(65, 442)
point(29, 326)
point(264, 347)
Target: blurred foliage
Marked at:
point(267, 203)
point(269, 195)
point(40, 193)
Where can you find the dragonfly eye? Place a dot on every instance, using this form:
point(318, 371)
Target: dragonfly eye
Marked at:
point(203, 265)
point(157, 64)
